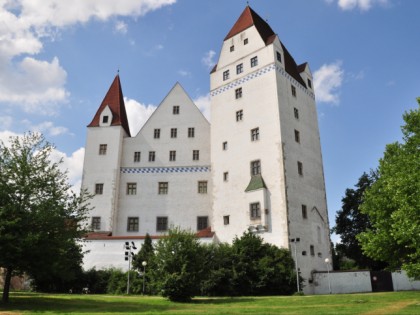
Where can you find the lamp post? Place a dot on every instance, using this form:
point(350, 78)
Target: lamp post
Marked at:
point(295, 240)
point(129, 256)
point(327, 261)
point(144, 264)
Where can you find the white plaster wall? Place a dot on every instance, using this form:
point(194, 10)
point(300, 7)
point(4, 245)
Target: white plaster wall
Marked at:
point(401, 282)
point(342, 282)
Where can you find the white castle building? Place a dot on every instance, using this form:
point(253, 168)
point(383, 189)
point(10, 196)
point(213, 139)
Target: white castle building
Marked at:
point(257, 167)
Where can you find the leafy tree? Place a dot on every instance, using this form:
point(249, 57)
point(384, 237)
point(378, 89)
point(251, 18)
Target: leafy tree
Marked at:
point(177, 265)
point(40, 219)
point(350, 221)
point(146, 254)
point(393, 202)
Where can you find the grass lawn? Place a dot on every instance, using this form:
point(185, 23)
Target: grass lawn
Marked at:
point(367, 303)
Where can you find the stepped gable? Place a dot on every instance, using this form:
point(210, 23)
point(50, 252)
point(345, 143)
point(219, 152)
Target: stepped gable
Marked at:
point(115, 100)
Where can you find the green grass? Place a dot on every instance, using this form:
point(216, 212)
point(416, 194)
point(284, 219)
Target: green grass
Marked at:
point(368, 303)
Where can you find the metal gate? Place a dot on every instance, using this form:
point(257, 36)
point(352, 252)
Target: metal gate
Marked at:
point(381, 281)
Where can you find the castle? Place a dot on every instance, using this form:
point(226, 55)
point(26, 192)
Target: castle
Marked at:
point(257, 167)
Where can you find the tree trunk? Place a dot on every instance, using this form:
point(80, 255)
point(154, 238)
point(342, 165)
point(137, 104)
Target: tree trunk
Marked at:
point(6, 288)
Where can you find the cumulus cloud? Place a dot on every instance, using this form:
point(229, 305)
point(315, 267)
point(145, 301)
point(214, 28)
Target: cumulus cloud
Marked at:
point(26, 24)
point(327, 81)
point(363, 5)
point(46, 127)
point(137, 114)
point(208, 59)
point(203, 103)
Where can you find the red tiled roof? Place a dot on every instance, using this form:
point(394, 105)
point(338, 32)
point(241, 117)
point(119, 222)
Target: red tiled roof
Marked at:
point(115, 100)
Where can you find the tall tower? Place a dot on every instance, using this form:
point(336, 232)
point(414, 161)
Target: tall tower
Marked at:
point(101, 172)
point(266, 158)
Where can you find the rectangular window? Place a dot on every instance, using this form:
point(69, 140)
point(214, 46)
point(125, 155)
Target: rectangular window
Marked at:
point(225, 176)
point(297, 136)
point(254, 209)
point(96, 223)
point(131, 188)
point(255, 134)
point(225, 75)
point(304, 212)
point(161, 224)
point(172, 155)
point(256, 167)
point(239, 115)
point(245, 41)
point(102, 149)
point(163, 188)
point(312, 250)
point(278, 56)
point(191, 132)
point(151, 156)
point(226, 220)
point(293, 90)
point(232, 48)
point(202, 187)
point(99, 189)
point(300, 168)
point(239, 68)
point(202, 223)
point(175, 110)
point(137, 156)
point(310, 83)
point(225, 145)
point(105, 119)
point(238, 93)
point(132, 224)
point(196, 155)
point(296, 111)
point(174, 132)
point(156, 134)
point(254, 61)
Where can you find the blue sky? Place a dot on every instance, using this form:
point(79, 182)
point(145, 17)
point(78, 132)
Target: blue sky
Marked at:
point(58, 58)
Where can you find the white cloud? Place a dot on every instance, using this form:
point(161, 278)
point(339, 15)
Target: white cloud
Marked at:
point(25, 24)
point(184, 73)
point(327, 81)
point(363, 5)
point(208, 59)
point(46, 127)
point(137, 114)
point(121, 27)
point(203, 103)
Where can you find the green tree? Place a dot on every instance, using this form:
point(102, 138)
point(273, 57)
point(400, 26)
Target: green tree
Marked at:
point(393, 202)
point(177, 265)
point(146, 254)
point(40, 218)
point(350, 221)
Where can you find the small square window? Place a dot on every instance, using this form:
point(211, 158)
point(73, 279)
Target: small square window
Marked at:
point(137, 156)
point(196, 155)
point(300, 168)
point(105, 119)
point(202, 223)
point(310, 83)
point(293, 90)
point(297, 136)
point(102, 149)
point(96, 223)
point(278, 56)
point(156, 134)
point(320, 255)
point(232, 48)
point(99, 189)
point(239, 68)
point(202, 187)
point(225, 176)
point(225, 145)
point(245, 41)
point(175, 110)
point(255, 167)
point(226, 220)
point(296, 112)
point(254, 61)
point(161, 224)
point(225, 75)
point(255, 134)
point(163, 188)
point(304, 253)
point(304, 212)
point(312, 250)
point(191, 132)
point(132, 224)
point(239, 115)
point(255, 211)
point(131, 188)
point(172, 156)
point(151, 156)
point(174, 132)
point(238, 93)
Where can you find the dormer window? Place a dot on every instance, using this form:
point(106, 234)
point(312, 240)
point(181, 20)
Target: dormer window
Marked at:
point(245, 41)
point(232, 48)
point(310, 83)
point(105, 119)
point(278, 56)
point(175, 110)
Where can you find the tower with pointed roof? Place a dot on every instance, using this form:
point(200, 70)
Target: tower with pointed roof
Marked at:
point(267, 171)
